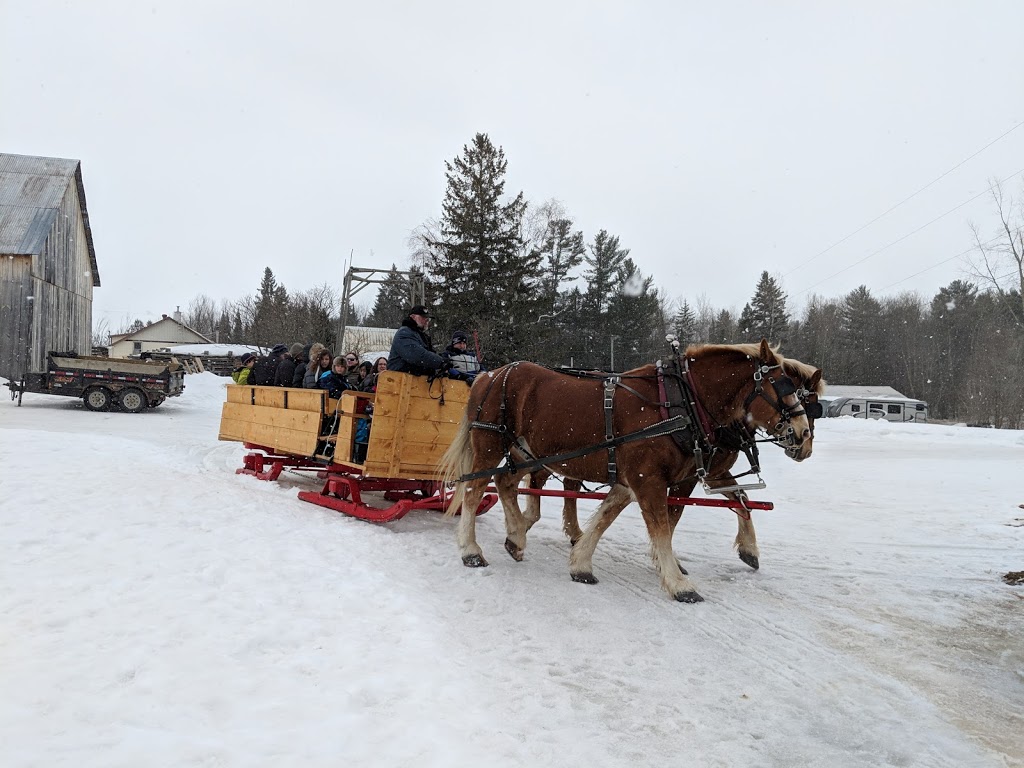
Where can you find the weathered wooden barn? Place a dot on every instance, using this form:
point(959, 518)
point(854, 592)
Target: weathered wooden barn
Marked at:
point(47, 262)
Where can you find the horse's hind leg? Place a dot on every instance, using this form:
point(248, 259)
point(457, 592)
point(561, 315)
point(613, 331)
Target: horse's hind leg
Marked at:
point(515, 524)
point(581, 567)
point(472, 555)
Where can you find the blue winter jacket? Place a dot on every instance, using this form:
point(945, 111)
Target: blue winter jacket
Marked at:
point(412, 352)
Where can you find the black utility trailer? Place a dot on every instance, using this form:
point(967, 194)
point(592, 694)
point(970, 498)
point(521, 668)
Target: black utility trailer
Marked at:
point(132, 385)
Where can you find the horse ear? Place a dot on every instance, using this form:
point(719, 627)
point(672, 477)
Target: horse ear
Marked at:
point(812, 383)
point(766, 354)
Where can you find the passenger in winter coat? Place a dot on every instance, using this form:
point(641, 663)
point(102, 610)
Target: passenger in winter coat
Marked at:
point(353, 373)
point(242, 373)
point(411, 349)
point(370, 382)
point(319, 364)
point(301, 361)
point(286, 366)
point(266, 369)
point(462, 358)
point(334, 380)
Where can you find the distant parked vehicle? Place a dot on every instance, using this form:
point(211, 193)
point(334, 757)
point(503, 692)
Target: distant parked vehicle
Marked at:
point(102, 382)
point(889, 409)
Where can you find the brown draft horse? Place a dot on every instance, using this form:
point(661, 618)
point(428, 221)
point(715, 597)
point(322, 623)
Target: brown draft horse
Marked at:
point(810, 386)
point(524, 411)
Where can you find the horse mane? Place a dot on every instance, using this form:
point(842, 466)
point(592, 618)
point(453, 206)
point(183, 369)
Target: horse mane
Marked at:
point(795, 367)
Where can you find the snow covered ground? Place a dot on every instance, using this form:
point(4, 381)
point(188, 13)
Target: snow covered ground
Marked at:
point(158, 610)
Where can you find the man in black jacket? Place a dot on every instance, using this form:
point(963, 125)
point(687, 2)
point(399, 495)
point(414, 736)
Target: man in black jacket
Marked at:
point(286, 367)
point(266, 369)
point(411, 349)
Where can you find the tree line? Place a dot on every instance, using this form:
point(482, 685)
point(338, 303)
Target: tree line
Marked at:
point(530, 285)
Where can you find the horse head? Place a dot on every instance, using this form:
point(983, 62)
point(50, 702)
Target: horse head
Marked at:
point(776, 403)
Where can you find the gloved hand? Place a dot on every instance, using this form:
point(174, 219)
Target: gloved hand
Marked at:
point(455, 373)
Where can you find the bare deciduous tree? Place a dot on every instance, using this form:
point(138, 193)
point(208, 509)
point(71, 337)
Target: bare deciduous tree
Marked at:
point(998, 262)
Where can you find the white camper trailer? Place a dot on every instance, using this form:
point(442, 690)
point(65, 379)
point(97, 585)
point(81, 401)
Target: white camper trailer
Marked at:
point(888, 408)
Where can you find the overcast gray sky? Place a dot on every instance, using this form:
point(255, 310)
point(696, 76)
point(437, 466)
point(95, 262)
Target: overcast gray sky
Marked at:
point(716, 140)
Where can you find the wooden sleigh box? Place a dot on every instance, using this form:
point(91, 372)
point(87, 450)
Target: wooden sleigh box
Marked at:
point(412, 426)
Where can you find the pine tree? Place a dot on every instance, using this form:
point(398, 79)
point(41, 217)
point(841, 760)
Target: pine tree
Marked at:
point(685, 324)
point(861, 330)
point(765, 316)
point(393, 298)
point(481, 275)
point(604, 265)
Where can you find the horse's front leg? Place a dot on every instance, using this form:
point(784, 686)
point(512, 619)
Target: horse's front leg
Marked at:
point(570, 515)
point(654, 508)
point(515, 524)
point(581, 567)
point(746, 538)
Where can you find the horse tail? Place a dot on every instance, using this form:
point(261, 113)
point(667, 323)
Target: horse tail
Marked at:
point(456, 462)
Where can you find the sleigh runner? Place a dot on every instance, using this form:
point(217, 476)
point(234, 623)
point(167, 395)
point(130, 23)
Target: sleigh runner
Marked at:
point(413, 423)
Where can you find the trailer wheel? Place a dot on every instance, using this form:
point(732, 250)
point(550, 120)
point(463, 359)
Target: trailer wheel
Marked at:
point(132, 400)
point(97, 398)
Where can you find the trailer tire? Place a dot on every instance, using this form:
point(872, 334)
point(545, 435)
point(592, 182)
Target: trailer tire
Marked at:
point(97, 398)
point(132, 400)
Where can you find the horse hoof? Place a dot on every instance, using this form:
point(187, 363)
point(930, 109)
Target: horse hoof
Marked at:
point(512, 549)
point(474, 561)
point(750, 560)
point(688, 597)
point(583, 578)
point(681, 569)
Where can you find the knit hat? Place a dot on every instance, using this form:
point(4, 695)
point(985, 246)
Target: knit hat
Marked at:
point(296, 350)
point(460, 336)
point(279, 349)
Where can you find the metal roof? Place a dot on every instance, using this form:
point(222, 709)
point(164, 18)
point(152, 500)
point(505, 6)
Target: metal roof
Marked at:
point(877, 391)
point(31, 189)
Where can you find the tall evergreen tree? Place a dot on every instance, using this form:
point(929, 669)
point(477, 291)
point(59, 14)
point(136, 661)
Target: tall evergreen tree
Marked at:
point(481, 275)
point(684, 325)
point(765, 316)
point(861, 338)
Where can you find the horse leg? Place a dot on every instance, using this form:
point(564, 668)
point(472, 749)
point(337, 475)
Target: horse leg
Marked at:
point(682, 489)
point(570, 516)
point(654, 509)
point(536, 481)
point(746, 537)
point(515, 523)
point(581, 567)
point(472, 555)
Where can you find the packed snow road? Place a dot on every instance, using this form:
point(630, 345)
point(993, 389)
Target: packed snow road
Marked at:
point(158, 609)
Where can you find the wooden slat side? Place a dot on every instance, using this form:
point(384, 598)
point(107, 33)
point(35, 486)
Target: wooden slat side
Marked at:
point(312, 400)
point(270, 397)
point(239, 394)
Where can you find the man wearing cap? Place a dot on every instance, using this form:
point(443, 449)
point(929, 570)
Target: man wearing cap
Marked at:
point(462, 358)
point(411, 349)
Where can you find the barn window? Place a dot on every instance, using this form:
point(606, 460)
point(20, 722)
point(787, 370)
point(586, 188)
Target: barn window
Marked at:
point(895, 408)
point(136, 346)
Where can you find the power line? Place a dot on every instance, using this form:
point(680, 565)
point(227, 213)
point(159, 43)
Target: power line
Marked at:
point(909, 234)
point(904, 200)
point(940, 263)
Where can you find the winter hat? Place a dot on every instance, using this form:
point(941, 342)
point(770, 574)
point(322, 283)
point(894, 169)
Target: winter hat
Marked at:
point(460, 336)
point(279, 349)
point(296, 350)
point(247, 357)
point(419, 309)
